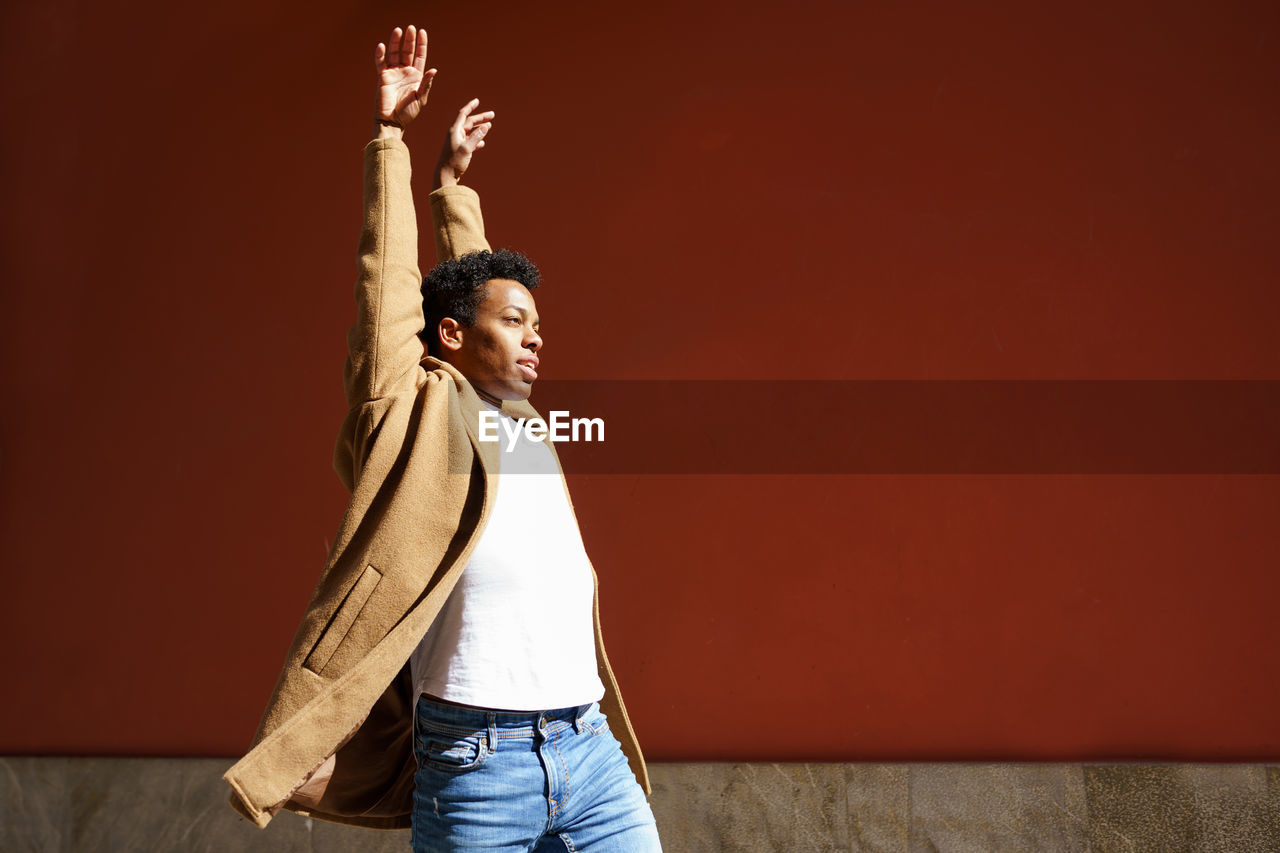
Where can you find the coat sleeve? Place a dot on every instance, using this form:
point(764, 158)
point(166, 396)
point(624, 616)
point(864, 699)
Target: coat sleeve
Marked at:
point(459, 227)
point(383, 349)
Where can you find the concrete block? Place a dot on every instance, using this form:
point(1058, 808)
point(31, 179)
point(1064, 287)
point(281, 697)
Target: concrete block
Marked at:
point(166, 804)
point(35, 798)
point(1206, 808)
point(879, 807)
point(340, 838)
point(1030, 808)
point(750, 807)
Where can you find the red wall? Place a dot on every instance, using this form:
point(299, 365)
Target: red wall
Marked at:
point(714, 191)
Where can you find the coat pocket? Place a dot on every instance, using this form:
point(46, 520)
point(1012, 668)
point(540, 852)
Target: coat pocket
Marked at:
point(342, 620)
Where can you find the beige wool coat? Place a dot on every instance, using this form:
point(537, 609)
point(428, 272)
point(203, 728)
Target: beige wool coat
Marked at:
point(335, 741)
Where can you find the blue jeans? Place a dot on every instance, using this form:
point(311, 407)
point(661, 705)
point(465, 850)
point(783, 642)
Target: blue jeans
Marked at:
point(524, 781)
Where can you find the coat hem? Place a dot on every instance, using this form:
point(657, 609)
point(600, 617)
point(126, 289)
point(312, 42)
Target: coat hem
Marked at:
point(260, 818)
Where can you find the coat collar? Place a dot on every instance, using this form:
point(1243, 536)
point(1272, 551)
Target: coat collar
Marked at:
point(469, 407)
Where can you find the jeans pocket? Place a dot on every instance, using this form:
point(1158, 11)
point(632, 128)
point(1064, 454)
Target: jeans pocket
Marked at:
point(595, 723)
point(451, 753)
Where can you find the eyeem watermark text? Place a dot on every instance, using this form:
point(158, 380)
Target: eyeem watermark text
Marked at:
point(560, 428)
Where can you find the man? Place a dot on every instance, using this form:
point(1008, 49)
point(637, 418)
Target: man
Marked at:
point(460, 703)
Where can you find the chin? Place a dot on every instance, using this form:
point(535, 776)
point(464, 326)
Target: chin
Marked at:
point(513, 392)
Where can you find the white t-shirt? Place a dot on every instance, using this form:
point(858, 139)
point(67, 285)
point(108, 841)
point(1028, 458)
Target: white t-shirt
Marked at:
point(517, 632)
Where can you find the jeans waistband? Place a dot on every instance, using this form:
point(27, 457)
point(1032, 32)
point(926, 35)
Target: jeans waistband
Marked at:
point(510, 723)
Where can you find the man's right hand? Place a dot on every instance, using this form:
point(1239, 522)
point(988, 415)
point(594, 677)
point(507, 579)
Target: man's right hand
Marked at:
point(465, 137)
point(404, 81)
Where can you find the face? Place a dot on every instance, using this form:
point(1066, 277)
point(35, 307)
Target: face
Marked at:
point(498, 354)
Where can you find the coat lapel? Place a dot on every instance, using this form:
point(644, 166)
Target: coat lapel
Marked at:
point(469, 407)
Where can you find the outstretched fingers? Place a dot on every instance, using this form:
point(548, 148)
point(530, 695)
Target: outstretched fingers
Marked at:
point(420, 52)
point(477, 119)
point(424, 88)
point(393, 47)
point(409, 45)
point(466, 111)
point(466, 122)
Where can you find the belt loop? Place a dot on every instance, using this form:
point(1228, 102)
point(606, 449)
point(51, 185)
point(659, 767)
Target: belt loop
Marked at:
point(577, 718)
point(493, 733)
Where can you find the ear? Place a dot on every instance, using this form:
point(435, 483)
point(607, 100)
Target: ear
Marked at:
point(450, 332)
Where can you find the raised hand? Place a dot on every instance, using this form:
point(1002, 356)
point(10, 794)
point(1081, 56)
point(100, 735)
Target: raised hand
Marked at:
point(466, 136)
point(404, 81)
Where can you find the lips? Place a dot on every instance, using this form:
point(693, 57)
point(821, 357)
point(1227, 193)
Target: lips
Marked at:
point(528, 366)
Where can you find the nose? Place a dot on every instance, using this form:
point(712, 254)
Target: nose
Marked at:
point(533, 341)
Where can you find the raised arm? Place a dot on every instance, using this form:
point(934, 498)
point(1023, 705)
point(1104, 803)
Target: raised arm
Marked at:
point(455, 209)
point(383, 349)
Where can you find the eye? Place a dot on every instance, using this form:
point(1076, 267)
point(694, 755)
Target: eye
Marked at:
point(515, 320)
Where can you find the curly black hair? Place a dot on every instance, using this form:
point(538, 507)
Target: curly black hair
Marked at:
point(456, 288)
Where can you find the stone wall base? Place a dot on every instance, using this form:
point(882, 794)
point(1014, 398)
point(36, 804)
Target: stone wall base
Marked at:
point(69, 805)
